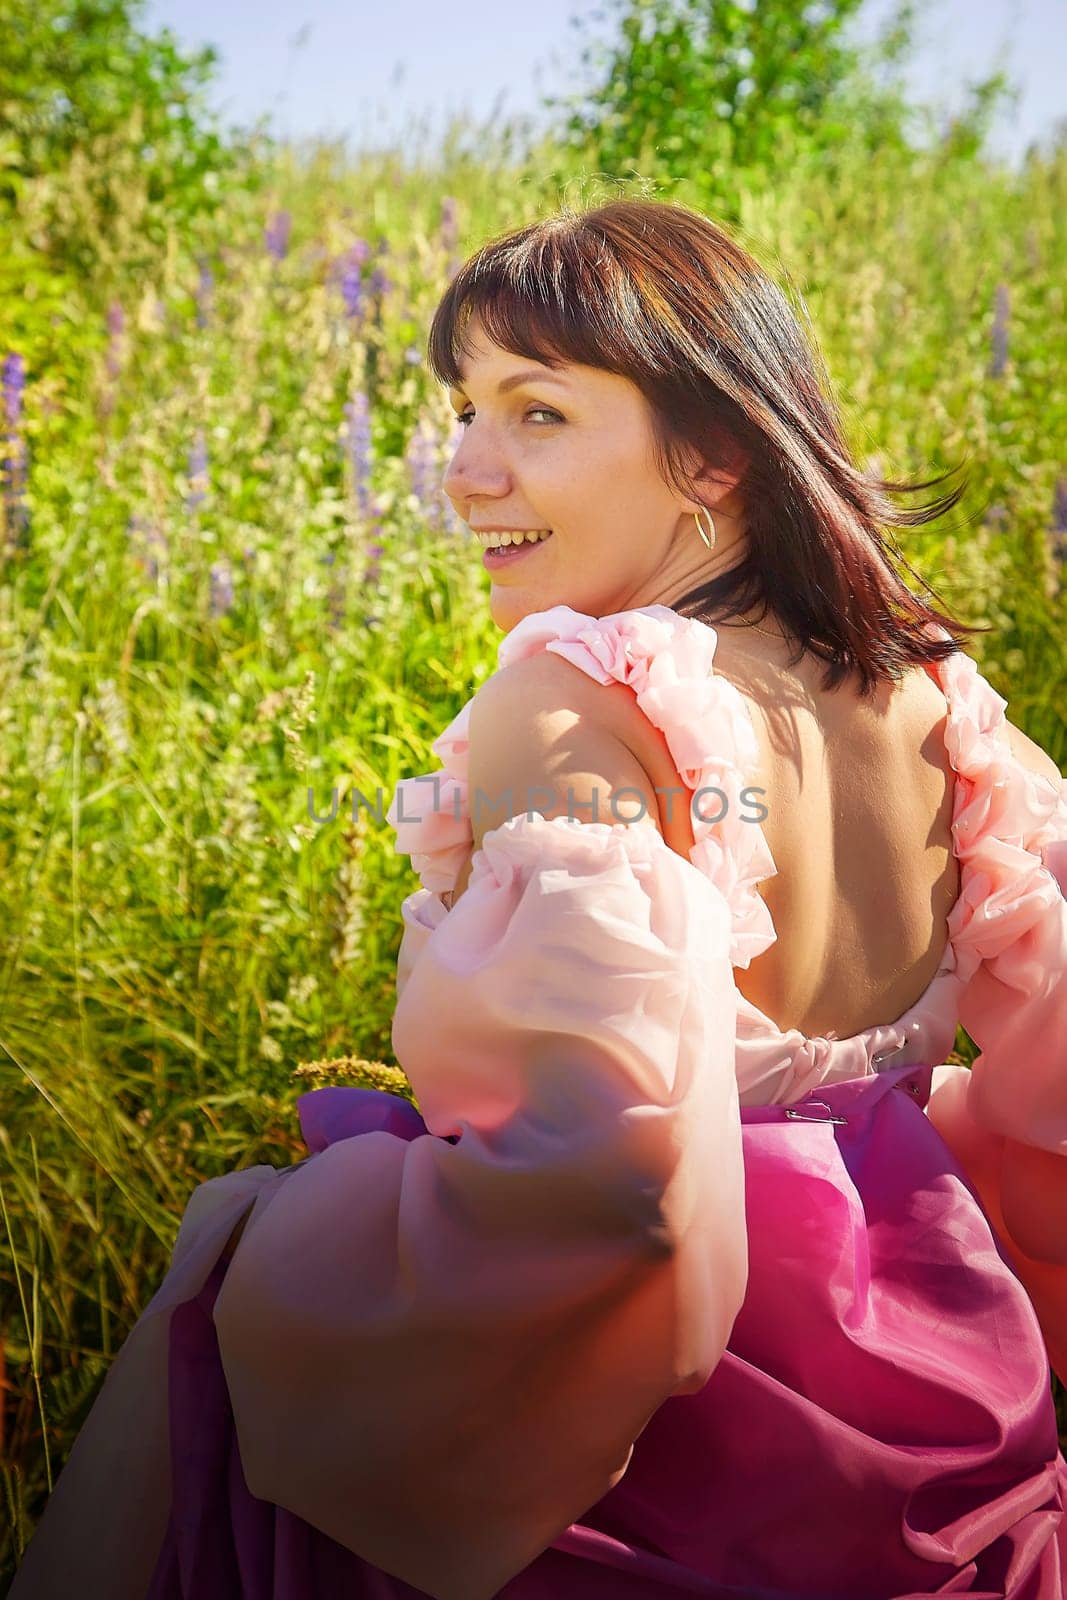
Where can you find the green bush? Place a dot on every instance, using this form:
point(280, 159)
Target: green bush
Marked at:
point(107, 143)
point(728, 94)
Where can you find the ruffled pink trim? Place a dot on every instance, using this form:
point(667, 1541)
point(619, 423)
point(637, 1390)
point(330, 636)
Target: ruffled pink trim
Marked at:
point(533, 840)
point(1005, 820)
point(430, 814)
point(669, 663)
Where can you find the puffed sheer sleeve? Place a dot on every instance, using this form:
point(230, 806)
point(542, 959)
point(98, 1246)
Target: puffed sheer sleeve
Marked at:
point(1006, 1118)
point(1012, 950)
point(1014, 1003)
point(441, 1349)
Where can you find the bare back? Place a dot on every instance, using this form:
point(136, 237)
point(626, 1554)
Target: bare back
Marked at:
point(860, 801)
point(859, 798)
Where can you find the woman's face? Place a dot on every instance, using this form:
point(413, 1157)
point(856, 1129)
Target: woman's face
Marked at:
point(570, 450)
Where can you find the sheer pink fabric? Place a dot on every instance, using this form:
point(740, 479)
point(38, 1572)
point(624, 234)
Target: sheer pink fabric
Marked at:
point(479, 1351)
point(1005, 1119)
point(441, 1354)
point(1002, 971)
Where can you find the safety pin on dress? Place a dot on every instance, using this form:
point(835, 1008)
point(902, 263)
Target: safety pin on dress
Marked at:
point(802, 1116)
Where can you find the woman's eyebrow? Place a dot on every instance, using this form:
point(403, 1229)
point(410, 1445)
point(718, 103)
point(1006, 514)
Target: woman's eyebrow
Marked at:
point(529, 376)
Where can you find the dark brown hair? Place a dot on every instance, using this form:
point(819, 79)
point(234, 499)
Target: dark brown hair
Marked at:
point(658, 294)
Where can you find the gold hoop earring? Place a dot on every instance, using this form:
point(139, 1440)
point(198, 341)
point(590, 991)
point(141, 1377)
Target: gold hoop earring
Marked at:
point(700, 527)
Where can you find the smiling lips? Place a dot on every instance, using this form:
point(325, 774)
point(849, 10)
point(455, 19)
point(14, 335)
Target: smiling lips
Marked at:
point(501, 555)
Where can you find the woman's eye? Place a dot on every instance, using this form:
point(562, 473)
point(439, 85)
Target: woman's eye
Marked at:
point(463, 417)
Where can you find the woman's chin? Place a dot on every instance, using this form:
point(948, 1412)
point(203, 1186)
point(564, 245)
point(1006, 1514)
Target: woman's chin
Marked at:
point(508, 608)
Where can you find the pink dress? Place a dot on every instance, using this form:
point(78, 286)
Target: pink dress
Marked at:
point(649, 1297)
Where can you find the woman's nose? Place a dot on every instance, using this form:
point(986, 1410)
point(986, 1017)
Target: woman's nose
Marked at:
point(476, 468)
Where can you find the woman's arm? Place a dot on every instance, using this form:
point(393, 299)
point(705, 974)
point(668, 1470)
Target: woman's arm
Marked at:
point(569, 733)
point(475, 1326)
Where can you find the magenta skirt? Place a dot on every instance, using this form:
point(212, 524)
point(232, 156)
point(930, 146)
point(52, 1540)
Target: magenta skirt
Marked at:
point(880, 1427)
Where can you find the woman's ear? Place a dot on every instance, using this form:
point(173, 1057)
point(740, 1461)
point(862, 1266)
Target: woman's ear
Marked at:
point(714, 484)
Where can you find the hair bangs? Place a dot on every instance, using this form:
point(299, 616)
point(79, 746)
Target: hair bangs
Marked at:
point(552, 295)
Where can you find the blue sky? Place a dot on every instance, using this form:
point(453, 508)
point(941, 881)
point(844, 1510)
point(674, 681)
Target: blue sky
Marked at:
point(395, 68)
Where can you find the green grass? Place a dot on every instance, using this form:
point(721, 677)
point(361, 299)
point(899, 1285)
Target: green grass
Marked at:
point(184, 944)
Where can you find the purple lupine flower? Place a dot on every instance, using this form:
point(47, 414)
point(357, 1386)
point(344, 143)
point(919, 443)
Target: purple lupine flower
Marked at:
point(999, 338)
point(13, 382)
point(204, 290)
point(277, 234)
point(197, 472)
point(13, 456)
point(348, 271)
point(116, 324)
point(453, 521)
point(422, 464)
point(413, 355)
point(380, 282)
point(357, 411)
point(221, 588)
point(352, 288)
point(1058, 531)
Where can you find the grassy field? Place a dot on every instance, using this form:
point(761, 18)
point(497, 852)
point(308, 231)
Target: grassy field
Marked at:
point(230, 578)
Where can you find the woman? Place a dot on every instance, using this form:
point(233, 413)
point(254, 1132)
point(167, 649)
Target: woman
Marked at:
point(655, 1294)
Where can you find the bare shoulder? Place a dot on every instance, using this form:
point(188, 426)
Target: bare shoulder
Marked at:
point(548, 688)
point(1031, 755)
point(547, 684)
point(547, 737)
